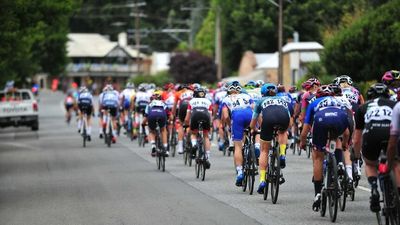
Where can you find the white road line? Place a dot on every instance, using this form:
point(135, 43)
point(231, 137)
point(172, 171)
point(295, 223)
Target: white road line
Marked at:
point(364, 188)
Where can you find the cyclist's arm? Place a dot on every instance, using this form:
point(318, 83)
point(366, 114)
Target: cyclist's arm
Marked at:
point(394, 134)
point(226, 121)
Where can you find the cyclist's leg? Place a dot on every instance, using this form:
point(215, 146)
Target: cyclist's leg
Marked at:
point(162, 122)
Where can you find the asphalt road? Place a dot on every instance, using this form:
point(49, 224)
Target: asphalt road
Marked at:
point(46, 177)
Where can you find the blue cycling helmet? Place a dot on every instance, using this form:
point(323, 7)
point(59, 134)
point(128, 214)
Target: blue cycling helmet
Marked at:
point(267, 88)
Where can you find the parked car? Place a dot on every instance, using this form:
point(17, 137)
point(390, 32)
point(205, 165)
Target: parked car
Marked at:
point(18, 107)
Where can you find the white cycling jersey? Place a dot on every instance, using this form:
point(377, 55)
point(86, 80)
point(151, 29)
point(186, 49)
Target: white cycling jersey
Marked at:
point(237, 101)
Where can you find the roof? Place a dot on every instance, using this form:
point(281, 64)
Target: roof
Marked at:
point(271, 62)
point(302, 46)
point(88, 45)
point(262, 57)
point(94, 45)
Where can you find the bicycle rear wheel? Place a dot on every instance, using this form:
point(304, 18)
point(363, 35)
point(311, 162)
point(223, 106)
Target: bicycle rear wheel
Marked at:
point(276, 173)
point(245, 179)
point(203, 170)
point(323, 202)
point(333, 188)
point(343, 182)
point(163, 162)
point(84, 135)
point(309, 149)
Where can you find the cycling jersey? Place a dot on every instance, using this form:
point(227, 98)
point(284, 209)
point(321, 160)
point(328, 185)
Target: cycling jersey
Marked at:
point(127, 96)
point(182, 98)
point(156, 113)
point(218, 98)
point(69, 100)
point(142, 99)
point(374, 119)
point(239, 106)
point(288, 98)
point(85, 102)
point(200, 109)
point(353, 95)
point(327, 114)
point(110, 99)
point(169, 99)
point(307, 98)
point(275, 113)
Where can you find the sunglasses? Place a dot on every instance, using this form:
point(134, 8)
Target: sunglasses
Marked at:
point(235, 88)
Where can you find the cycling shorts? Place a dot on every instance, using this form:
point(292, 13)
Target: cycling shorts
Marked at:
point(240, 120)
point(85, 108)
point(372, 139)
point(113, 110)
point(198, 115)
point(182, 110)
point(328, 120)
point(68, 106)
point(273, 117)
point(157, 115)
point(127, 104)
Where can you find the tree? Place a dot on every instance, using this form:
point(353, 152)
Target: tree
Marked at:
point(368, 47)
point(192, 67)
point(33, 36)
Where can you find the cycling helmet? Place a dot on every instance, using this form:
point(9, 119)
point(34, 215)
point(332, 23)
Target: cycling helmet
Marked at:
point(220, 84)
point(251, 84)
point(195, 86)
point(314, 81)
point(142, 87)
point(345, 78)
point(337, 90)
point(157, 95)
point(378, 90)
point(324, 90)
point(130, 85)
point(183, 86)
point(83, 89)
point(260, 83)
point(199, 93)
point(234, 86)
point(108, 87)
point(151, 86)
point(390, 76)
point(306, 85)
point(281, 88)
point(168, 86)
point(292, 89)
point(269, 89)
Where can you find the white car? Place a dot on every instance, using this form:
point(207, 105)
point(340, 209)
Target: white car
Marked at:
point(18, 108)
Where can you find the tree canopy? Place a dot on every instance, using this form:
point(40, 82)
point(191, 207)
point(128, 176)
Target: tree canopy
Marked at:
point(33, 36)
point(368, 47)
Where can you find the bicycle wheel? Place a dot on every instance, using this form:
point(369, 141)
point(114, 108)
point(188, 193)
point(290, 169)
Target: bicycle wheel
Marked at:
point(140, 139)
point(203, 169)
point(343, 182)
point(323, 202)
point(309, 149)
point(110, 133)
point(252, 169)
point(189, 156)
point(84, 135)
point(333, 188)
point(158, 159)
point(267, 180)
point(163, 161)
point(245, 179)
point(276, 173)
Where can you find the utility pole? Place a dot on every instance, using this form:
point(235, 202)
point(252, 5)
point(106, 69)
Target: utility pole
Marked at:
point(280, 42)
point(218, 45)
point(137, 35)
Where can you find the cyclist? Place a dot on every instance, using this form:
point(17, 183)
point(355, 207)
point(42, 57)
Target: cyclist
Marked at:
point(200, 109)
point(126, 98)
point(219, 95)
point(255, 93)
point(272, 111)
point(355, 99)
point(311, 86)
point(324, 114)
point(69, 104)
point(156, 113)
point(237, 111)
point(142, 99)
point(182, 98)
point(372, 128)
point(110, 101)
point(85, 105)
point(392, 79)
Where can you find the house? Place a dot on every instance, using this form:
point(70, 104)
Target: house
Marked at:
point(296, 56)
point(94, 59)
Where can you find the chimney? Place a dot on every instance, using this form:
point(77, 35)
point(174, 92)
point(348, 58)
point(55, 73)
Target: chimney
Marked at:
point(296, 36)
point(122, 39)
